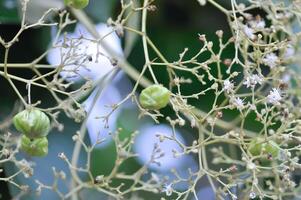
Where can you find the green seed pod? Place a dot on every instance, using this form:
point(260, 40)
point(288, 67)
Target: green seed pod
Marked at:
point(154, 97)
point(266, 148)
point(78, 4)
point(34, 147)
point(33, 123)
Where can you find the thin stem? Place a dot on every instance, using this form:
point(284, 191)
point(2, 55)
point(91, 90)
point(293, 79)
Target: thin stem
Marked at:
point(144, 41)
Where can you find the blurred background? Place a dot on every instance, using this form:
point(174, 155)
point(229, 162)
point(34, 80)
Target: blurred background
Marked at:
point(174, 26)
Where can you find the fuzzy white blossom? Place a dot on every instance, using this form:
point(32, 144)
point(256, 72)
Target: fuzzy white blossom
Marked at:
point(228, 86)
point(249, 32)
point(260, 24)
point(257, 24)
point(274, 97)
point(271, 60)
point(253, 80)
point(238, 103)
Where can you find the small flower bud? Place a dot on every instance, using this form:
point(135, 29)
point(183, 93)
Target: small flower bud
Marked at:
point(62, 156)
point(219, 33)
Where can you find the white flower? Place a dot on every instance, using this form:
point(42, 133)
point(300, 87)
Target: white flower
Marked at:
point(274, 97)
point(270, 60)
point(252, 80)
point(249, 32)
point(228, 86)
point(257, 24)
point(84, 58)
point(238, 103)
point(260, 24)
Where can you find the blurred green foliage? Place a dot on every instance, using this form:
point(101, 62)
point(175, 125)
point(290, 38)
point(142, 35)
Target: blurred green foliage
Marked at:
point(9, 12)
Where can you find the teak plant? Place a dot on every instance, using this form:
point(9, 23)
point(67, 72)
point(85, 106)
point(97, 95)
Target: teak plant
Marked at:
point(260, 84)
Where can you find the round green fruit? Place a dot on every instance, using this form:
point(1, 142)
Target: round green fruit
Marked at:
point(154, 97)
point(32, 122)
point(34, 147)
point(268, 149)
point(78, 4)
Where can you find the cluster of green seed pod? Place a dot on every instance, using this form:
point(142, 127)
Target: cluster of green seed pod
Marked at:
point(154, 97)
point(34, 147)
point(78, 4)
point(268, 149)
point(34, 125)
